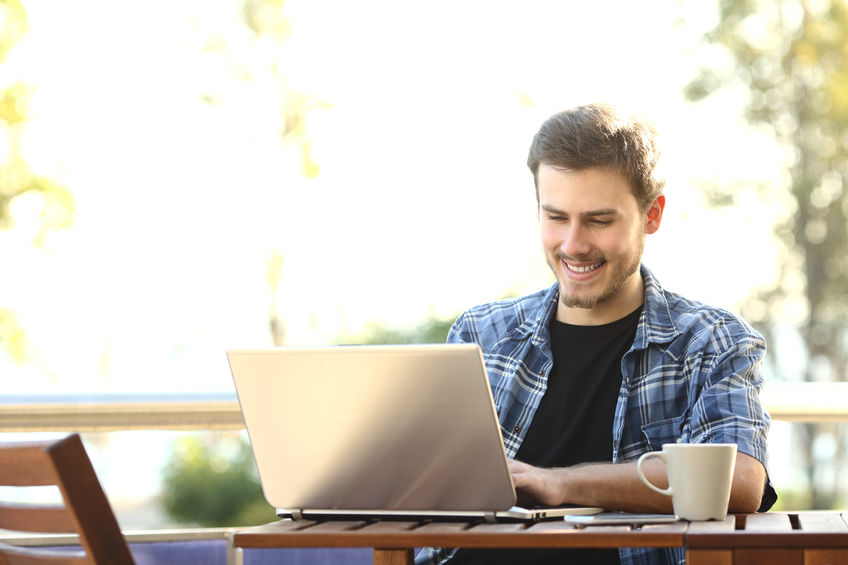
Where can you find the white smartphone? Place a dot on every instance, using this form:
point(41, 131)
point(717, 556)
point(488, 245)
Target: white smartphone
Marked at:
point(612, 518)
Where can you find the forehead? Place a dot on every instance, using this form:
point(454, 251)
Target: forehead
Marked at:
point(584, 189)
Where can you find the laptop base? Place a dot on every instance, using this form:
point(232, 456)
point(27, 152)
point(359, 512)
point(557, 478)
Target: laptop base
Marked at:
point(514, 514)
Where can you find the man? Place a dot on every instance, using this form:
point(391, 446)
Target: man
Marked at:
point(606, 365)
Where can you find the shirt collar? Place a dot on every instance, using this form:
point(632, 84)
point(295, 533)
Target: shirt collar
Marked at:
point(535, 325)
point(655, 322)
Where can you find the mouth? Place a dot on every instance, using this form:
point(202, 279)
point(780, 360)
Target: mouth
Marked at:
point(583, 268)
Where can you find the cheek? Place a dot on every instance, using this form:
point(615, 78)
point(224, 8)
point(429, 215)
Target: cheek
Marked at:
point(549, 236)
point(619, 243)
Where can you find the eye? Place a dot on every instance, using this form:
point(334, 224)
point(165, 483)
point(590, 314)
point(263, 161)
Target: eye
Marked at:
point(600, 222)
point(554, 218)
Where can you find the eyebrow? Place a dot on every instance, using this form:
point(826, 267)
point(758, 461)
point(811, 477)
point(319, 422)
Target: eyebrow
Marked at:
point(588, 214)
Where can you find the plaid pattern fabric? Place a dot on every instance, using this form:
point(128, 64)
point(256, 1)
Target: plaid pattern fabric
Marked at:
point(692, 375)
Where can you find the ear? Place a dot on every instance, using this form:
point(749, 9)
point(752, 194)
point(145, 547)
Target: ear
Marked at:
point(654, 216)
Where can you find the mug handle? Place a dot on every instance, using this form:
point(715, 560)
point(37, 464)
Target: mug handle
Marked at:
point(644, 457)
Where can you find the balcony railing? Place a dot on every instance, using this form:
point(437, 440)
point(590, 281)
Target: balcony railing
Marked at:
point(794, 402)
point(113, 412)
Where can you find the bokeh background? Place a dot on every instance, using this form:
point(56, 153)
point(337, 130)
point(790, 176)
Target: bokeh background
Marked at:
point(181, 177)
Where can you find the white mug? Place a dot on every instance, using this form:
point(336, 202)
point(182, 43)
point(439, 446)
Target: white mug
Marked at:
point(699, 478)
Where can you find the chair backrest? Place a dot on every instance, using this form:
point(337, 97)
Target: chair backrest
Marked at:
point(84, 511)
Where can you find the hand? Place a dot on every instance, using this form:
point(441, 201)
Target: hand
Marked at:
point(544, 485)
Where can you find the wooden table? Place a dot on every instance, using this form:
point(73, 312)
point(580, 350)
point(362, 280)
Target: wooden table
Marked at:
point(774, 538)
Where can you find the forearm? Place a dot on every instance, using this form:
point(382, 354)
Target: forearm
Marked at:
point(611, 486)
point(616, 486)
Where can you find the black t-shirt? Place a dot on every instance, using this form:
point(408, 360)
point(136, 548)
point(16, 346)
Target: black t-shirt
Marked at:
point(572, 425)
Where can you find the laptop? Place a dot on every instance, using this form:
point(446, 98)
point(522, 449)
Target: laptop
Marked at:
point(385, 431)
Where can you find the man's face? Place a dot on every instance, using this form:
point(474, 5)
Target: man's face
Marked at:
point(593, 235)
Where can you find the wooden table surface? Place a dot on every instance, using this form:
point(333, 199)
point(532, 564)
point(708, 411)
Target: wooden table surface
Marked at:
point(813, 538)
point(774, 538)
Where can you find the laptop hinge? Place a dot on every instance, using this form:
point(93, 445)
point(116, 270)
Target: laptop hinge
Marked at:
point(297, 515)
point(490, 517)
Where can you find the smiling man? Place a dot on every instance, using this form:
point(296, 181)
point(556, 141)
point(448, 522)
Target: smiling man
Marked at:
point(606, 365)
point(593, 236)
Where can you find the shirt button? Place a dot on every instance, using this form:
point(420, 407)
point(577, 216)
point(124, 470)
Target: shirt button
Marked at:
point(516, 429)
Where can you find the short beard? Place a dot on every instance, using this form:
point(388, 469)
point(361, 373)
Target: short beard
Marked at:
point(592, 301)
point(618, 282)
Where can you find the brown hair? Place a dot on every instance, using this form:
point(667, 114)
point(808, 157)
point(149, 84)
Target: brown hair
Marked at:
point(595, 136)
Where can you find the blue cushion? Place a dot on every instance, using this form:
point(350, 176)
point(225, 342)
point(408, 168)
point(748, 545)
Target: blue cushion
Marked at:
point(208, 552)
point(309, 556)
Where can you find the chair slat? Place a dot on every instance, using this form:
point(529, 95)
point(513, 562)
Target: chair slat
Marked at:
point(47, 518)
point(99, 531)
point(25, 465)
point(86, 510)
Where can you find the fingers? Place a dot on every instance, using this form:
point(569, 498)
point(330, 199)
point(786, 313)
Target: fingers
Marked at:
point(517, 466)
point(522, 473)
point(533, 481)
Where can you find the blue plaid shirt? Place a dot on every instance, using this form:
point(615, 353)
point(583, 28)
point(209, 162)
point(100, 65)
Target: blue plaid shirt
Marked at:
point(692, 375)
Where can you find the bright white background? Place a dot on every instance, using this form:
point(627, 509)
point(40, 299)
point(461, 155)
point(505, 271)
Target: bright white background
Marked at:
point(162, 118)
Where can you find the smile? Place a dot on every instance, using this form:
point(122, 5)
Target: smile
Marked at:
point(585, 268)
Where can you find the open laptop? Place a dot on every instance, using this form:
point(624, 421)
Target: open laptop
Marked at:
point(389, 431)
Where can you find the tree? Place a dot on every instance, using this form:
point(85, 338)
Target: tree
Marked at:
point(792, 58)
point(211, 481)
point(267, 20)
point(17, 180)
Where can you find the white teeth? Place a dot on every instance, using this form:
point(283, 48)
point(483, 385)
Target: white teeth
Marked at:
point(585, 269)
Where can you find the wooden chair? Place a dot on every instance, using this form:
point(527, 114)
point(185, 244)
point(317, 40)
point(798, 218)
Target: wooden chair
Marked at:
point(85, 510)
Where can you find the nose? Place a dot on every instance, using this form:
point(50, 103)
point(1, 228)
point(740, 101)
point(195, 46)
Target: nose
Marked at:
point(575, 241)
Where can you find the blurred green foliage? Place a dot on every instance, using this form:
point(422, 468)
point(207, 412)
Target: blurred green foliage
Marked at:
point(16, 176)
point(12, 336)
point(211, 481)
point(801, 498)
point(431, 330)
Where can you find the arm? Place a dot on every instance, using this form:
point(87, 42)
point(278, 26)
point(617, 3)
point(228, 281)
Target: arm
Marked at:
point(617, 486)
